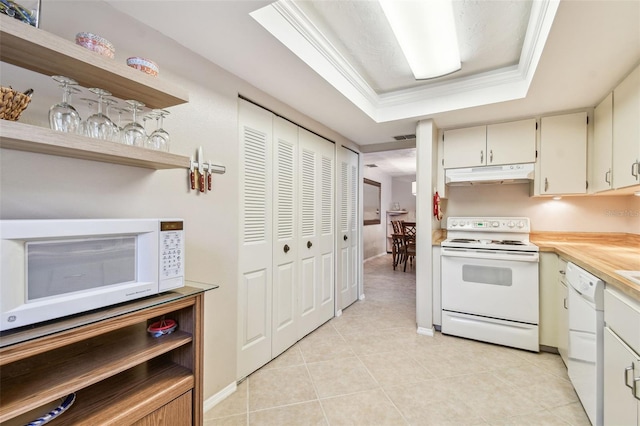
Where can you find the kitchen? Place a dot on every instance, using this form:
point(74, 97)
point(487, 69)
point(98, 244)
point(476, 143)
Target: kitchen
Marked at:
point(59, 187)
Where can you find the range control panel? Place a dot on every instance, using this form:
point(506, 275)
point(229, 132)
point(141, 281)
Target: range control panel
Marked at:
point(494, 224)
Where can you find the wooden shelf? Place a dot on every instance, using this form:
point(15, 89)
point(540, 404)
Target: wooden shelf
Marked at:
point(37, 50)
point(45, 377)
point(24, 137)
point(130, 395)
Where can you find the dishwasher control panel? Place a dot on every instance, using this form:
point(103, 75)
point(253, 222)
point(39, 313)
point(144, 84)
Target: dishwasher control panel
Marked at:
point(587, 284)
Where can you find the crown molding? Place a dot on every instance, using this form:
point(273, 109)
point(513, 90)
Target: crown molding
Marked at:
point(289, 24)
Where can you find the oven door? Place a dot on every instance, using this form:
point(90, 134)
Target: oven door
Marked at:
point(490, 283)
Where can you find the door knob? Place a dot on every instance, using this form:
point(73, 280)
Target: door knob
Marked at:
point(286, 248)
point(345, 238)
point(309, 244)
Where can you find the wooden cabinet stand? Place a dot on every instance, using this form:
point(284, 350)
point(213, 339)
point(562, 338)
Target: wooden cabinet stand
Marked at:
point(119, 372)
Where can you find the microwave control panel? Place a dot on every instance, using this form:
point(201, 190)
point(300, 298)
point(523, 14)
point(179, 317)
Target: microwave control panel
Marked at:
point(171, 255)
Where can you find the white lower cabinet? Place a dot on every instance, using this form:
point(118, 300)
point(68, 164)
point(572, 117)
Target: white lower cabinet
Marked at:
point(286, 255)
point(621, 359)
point(548, 276)
point(437, 287)
point(563, 311)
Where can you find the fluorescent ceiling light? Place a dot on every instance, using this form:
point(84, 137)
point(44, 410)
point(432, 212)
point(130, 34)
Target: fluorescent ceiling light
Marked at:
point(426, 33)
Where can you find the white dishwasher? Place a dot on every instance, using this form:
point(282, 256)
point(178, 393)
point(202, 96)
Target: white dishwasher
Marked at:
point(586, 340)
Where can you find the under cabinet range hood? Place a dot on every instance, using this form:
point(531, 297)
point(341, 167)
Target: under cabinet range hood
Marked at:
point(485, 175)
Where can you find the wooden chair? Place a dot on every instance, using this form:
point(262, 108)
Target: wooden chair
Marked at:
point(397, 241)
point(409, 249)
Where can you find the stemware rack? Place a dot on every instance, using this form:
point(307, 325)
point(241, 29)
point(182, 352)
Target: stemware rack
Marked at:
point(37, 50)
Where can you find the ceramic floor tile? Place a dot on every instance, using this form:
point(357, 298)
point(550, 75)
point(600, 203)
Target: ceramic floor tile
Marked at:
point(236, 403)
point(340, 377)
point(307, 413)
point(541, 418)
point(573, 414)
point(279, 386)
point(430, 403)
point(239, 420)
point(395, 368)
point(325, 350)
point(369, 343)
point(288, 358)
point(364, 408)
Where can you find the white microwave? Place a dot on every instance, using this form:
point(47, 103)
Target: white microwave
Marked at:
point(55, 268)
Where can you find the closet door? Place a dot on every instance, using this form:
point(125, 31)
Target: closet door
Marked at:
point(348, 227)
point(256, 242)
point(316, 289)
point(286, 245)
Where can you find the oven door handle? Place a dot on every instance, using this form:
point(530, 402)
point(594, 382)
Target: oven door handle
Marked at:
point(517, 256)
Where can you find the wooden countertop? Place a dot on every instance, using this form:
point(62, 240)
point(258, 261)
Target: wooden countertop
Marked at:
point(599, 253)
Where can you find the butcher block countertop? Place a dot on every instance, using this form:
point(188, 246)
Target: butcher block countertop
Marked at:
point(599, 253)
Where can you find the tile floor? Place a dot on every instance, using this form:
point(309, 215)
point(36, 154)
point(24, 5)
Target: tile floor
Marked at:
point(369, 367)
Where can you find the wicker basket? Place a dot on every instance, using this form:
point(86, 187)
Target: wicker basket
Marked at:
point(12, 103)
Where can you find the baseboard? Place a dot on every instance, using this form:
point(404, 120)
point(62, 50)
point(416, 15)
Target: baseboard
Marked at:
point(339, 313)
point(216, 399)
point(361, 297)
point(550, 349)
point(425, 331)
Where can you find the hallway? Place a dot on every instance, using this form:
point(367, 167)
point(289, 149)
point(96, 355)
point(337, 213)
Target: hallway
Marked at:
point(369, 367)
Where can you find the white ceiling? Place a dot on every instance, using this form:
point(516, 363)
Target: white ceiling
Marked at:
point(590, 46)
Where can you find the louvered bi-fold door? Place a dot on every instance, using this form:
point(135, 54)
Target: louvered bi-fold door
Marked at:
point(348, 224)
point(285, 244)
point(316, 232)
point(256, 242)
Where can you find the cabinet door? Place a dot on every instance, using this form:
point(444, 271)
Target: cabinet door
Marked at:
point(511, 143)
point(175, 413)
point(348, 227)
point(600, 176)
point(285, 242)
point(620, 406)
point(626, 131)
point(563, 154)
point(316, 236)
point(465, 147)
point(256, 244)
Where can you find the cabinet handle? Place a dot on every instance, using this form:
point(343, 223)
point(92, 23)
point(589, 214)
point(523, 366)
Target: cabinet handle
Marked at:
point(546, 184)
point(635, 388)
point(286, 248)
point(607, 177)
point(564, 302)
point(309, 244)
point(491, 156)
point(626, 377)
point(634, 169)
point(562, 272)
point(481, 156)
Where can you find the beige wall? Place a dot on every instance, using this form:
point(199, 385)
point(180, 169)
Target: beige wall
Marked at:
point(41, 186)
point(571, 214)
point(374, 237)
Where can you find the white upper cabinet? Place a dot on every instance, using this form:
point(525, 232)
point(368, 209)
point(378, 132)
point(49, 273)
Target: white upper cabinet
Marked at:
point(626, 131)
point(465, 147)
point(495, 144)
point(563, 154)
point(511, 143)
point(600, 175)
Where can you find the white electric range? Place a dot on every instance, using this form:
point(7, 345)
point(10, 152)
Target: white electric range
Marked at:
point(490, 281)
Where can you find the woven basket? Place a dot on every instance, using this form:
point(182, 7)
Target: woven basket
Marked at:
point(12, 103)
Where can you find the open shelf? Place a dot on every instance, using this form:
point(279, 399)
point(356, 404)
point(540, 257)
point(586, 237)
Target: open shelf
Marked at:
point(27, 383)
point(37, 50)
point(130, 395)
point(24, 137)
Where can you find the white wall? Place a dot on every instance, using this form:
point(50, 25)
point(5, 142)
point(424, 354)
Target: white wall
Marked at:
point(401, 193)
point(42, 186)
point(570, 214)
point(374, 237)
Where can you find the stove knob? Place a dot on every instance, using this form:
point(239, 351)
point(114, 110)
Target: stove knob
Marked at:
point(521, 224)
point(495, 224)
point(454, 223)
point(511, 224)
